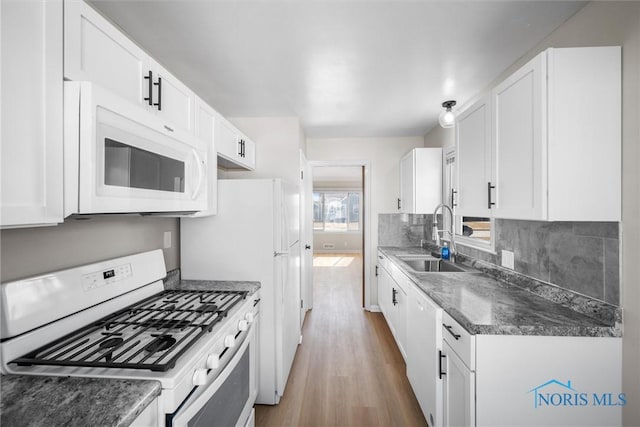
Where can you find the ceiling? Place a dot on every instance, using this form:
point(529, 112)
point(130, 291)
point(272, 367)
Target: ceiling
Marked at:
point(346, 68)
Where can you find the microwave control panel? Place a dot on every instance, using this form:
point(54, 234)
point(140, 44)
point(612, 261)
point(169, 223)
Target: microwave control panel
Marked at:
point(106, 277)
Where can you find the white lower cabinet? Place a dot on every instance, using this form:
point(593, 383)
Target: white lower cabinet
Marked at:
point(424, 335)
point(458, 385)
point(392, 298)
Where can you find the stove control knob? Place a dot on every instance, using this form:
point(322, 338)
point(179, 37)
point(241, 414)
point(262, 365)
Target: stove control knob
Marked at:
point(243, 325)
point(199, 377)
point(249, 317)
point(213, 361)
point(230, 341)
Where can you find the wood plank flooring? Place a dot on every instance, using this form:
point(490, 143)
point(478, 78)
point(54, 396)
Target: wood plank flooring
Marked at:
point(348, 370)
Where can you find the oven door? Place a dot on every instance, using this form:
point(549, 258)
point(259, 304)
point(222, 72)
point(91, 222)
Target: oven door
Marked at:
point(227, 400)
point(128, 160)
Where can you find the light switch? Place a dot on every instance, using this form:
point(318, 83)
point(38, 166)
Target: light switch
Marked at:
point(508, 259)
point(167, 239)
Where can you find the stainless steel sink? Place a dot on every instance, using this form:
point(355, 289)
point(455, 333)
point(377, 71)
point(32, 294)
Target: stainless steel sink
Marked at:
point(431, 265)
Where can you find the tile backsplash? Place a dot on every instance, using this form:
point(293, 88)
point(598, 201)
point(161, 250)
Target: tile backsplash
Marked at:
point(583, 257)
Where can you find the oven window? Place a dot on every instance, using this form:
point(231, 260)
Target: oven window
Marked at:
point(127, 166)
point(226, 405)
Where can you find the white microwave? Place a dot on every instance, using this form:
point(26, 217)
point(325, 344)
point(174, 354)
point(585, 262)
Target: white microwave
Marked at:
point(121, 158)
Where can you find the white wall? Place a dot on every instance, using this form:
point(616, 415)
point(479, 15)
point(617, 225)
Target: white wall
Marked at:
point(440, 137)
point(278, 142)
point(383, 155)
point(604, 24)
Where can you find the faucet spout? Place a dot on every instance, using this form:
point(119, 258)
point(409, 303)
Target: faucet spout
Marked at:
point(436, 231)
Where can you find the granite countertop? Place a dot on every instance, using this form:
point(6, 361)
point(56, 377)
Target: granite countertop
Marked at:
point(505, 303)
point(66, 401)
point(173, 281)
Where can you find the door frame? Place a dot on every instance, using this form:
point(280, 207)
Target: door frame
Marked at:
point(366, 219)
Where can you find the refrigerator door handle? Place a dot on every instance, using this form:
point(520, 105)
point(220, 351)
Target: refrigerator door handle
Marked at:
point(275, 254)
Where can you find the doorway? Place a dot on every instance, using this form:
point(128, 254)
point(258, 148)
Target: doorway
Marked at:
point(340, 222)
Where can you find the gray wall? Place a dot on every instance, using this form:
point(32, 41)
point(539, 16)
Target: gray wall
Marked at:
point(27, 252)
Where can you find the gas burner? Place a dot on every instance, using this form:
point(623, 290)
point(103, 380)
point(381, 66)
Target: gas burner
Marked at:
point(108, 344)
point(161, 343)
point(207, 308)
point(165, 324)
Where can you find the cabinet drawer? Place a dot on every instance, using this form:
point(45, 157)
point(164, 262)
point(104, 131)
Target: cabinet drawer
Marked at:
point(460, 341)
point(384, 262)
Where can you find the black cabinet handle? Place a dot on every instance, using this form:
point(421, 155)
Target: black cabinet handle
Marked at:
point(453, 198)
point(149, 78)
point(256, 302)
point(307, 247)
point(440, 357)
point(159, 103)
point(244, 153)
point(380, 256)
point(449, 328)
point(399, 204)
point(393, 296)
point(376, 271)
point(240, 147)
point(489, 202)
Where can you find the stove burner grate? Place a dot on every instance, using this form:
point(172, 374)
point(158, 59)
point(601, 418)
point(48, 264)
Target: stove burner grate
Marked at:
point(151, 334)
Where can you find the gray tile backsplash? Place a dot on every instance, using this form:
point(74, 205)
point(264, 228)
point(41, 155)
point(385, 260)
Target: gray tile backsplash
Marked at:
point(403, 229)
point(578, 256)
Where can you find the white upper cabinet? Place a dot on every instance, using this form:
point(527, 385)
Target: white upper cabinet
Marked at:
point(235, 150)
point(557, 135)
point(420, 180)
point(205, 125)
point(519, 107)
point(97, 51)
point(174, 101)
point(474, 160)
point(31, 140)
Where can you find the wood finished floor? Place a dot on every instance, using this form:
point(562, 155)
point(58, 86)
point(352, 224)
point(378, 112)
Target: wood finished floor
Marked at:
point(348, 370)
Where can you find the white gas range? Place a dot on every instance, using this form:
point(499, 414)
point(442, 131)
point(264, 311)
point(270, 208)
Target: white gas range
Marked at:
point(114, 319)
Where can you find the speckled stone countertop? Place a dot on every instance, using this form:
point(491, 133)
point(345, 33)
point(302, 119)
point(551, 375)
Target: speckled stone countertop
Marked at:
point(64, 401)
point(173, 281)
point(489, 300)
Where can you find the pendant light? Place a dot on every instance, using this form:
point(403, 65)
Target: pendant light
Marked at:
point(447, 119)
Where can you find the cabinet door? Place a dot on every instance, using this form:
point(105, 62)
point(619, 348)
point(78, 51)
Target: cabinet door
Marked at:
point(228, 144)
point(31, 147)
point(96, 51)
point(384, 293)
point(205, 125)
point(399, 318)
point(520, 141)
point(249, 153)
point(407, 189)
point(424, 341)
point(173, 101)
point(474, 163)
point(458, 391)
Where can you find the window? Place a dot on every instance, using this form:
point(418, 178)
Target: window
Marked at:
point(470, 231)
point(336, 211)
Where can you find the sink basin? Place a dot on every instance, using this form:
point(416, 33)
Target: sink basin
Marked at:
point(432, 265)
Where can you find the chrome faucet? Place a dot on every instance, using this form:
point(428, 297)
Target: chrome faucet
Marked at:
point(436, 232)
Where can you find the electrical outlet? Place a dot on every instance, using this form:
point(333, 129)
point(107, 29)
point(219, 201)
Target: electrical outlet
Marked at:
point(508, 260)
point(167, 239)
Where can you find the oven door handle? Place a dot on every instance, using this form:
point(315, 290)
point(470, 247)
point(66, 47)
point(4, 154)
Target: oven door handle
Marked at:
point(192, 405)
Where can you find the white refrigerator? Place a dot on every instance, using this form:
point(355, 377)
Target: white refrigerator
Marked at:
point(254, 237)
